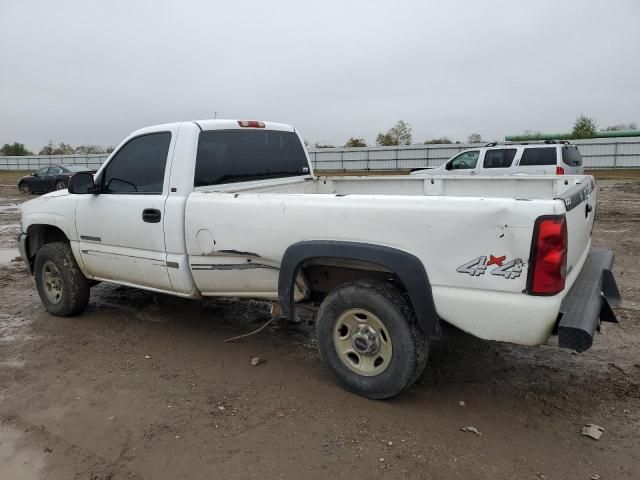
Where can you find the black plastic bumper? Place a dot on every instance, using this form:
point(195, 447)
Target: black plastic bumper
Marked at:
point(589, 301)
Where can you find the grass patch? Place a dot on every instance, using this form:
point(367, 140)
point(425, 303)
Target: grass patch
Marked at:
point(617, 174)
point(11, 177)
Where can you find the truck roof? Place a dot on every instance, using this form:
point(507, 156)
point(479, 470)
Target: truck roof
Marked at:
point(215, 124)
point(227, 124)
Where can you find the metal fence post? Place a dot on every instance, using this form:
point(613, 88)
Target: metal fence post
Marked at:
point(615, 154)
point(342, 160)
point(368, 158)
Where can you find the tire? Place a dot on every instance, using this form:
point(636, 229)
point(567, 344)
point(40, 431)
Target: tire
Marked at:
point(62, 287)
point(378, 366)
point(60, 185)
point(24, 188)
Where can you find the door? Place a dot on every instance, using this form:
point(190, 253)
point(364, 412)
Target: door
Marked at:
point(121, 229)
point(52, 177)
point(39, 180)
point(464, 163)
point(498, 161)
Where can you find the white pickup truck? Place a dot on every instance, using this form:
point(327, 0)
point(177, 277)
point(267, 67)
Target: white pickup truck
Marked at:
point(232, 208)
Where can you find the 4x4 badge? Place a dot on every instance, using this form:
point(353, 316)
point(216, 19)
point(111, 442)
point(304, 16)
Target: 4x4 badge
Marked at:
point(476, 267)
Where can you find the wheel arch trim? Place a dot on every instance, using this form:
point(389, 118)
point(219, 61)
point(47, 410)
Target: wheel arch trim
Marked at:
point(34, 238)
point(408, 268)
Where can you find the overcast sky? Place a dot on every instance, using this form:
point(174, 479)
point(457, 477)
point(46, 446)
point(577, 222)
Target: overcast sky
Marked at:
point(92, 71)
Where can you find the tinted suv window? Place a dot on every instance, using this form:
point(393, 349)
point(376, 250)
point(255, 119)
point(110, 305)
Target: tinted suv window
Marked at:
point(539, 156)
point(138, 167)
point(571, 156)
point(228, 156)
point(499, 158)
point(464, 161)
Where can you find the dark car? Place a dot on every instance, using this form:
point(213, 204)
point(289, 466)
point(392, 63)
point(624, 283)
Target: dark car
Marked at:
point(48, 179)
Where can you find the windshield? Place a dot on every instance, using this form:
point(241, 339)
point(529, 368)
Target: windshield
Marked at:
point(229, 156)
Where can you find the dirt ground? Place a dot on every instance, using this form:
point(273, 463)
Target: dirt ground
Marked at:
point(141, 386)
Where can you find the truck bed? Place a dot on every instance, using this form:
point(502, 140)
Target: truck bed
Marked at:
point(444, 221)
point(525, 187)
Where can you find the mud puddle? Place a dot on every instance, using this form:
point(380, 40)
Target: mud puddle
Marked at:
point(8, 254)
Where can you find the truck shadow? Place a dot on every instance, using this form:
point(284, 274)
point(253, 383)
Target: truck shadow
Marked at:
point(456, 360)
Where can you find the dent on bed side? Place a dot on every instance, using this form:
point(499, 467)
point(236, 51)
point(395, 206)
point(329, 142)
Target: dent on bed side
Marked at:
point(238, 252)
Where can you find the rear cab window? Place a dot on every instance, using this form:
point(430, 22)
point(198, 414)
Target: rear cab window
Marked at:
point(499, 158)
point(571, 156)
point(231, 156)
point(538, 156)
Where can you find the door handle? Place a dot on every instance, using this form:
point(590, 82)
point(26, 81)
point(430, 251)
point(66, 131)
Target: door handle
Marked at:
point(151, 215)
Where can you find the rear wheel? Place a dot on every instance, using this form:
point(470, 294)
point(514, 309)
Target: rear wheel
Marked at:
point(24, 188)
point(62, 287)
point(60, 185)
point(368, 338)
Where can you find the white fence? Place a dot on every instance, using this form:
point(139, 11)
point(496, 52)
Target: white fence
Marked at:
point(34, 162)
point(596, 154)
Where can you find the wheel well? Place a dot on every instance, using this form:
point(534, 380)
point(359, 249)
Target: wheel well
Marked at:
point(40, 235)
point(330, 263)
point(323, 274)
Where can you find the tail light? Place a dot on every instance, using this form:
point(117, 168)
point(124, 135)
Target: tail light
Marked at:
point(559, 171)
point(251, 123)
point(548, 263)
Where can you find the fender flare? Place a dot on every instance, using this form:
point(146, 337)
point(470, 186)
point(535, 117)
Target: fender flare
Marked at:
point(408, 268)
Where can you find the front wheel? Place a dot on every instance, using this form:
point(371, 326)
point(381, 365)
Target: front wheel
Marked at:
point(369, 339)
point(24, 188)
point(62, 287)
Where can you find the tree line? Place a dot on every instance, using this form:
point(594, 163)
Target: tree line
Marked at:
point(19, 149)
point(401, 134)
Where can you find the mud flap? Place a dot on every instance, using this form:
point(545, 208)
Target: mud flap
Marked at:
point(589, 301)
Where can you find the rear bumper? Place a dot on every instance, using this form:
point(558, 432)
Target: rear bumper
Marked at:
point(588, 302)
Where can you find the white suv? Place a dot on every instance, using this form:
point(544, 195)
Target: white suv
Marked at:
point(549, 158)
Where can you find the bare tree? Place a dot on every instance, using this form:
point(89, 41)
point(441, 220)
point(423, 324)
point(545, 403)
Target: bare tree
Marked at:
point(474, 138)
point(399, 134)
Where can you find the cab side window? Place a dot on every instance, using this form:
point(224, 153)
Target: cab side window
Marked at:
point(138, 167)
point(464, 161)
point(499, 158)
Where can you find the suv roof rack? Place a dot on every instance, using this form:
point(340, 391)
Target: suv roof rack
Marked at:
point(530, 142)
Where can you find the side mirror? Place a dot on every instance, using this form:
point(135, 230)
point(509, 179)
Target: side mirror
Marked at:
point(34, 174)
point(82, 183)
point(448, 166)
